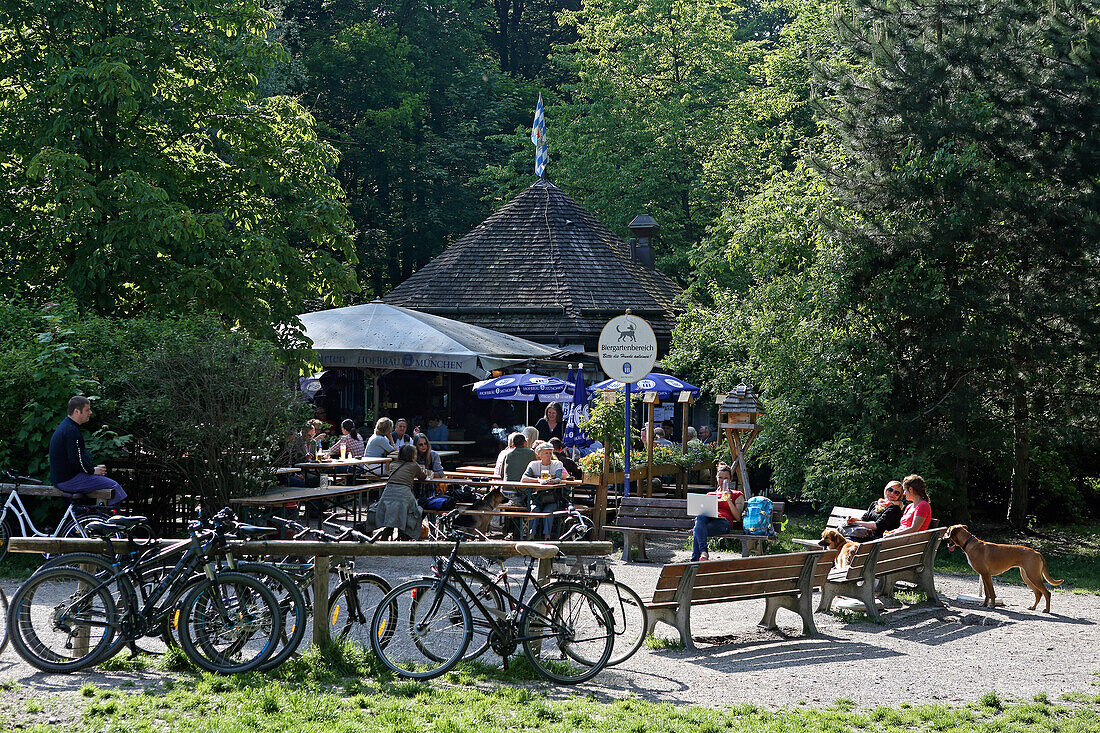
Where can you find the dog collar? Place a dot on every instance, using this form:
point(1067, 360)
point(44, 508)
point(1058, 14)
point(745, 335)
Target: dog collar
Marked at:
point(963, 546)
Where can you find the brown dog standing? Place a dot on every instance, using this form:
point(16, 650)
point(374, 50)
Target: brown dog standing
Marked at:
point(989, 559)
point(833, 540)
point(490, 502)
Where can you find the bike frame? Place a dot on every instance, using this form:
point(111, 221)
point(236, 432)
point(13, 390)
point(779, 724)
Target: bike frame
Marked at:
point(517, 604)
point(15, 505)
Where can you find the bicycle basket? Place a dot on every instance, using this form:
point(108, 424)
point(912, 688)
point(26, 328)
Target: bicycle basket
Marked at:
point(581, 568)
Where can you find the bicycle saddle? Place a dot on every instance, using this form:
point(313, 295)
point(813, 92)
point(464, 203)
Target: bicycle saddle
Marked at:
point(102, 530)
point(120, 520)
point(252, 531)
point(536, 550)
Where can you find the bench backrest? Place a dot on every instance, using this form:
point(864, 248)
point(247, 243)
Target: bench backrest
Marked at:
point(894, 553)
point(742, 578)
point(670, 514)
point(840, 514)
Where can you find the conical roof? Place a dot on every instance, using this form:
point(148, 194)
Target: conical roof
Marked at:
point(542, 268)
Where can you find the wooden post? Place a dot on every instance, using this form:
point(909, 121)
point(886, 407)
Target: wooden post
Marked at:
point(650, 400)
point(320, 600)
point(81, 633)
point(739, 464)
point(685, 399)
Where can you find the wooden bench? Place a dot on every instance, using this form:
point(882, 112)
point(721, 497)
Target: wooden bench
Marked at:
point(639, 516)
point(838, 516)
point(51, 491)
point(906, 558)
point(783, 581)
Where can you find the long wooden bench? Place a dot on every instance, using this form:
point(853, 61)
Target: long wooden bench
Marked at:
point(50, 491)
point(639, 516)
point(838, 516)
point(783, 581)
point(906, 558)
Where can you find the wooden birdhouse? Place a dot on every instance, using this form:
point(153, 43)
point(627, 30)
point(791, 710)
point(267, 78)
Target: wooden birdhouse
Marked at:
point(738, 417)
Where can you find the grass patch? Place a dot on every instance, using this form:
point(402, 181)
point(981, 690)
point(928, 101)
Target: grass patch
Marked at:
point(258, 703)
point(20, 565)
point(910, 597)
point(660, 643)
point(1072, 553)
point(129, 662)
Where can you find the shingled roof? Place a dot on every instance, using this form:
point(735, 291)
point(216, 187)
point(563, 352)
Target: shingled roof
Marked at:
point(544, 269)
point(741, 399)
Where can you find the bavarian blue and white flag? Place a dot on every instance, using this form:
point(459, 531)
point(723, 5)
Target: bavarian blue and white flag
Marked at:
point(538, 137)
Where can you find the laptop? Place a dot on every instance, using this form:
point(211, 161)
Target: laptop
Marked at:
point(705, 504)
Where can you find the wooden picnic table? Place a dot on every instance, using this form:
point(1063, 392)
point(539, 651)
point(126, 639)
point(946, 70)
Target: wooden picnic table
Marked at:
point(52, 491)
point(287, 470)
point(490, 481)
point(488, 470)
point(294, 495)
point(335, 463)
point(453, 442)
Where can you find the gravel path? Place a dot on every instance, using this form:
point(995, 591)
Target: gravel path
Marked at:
point(952, 654)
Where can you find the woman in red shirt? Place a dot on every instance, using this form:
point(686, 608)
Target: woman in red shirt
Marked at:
point(918, 515)
point(730, 504)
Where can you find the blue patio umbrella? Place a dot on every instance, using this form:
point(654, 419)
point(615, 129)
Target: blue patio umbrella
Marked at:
point(521, 388)
point(664, 385)
point(576, 411)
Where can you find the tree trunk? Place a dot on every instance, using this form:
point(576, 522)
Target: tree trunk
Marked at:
point(1021, 447)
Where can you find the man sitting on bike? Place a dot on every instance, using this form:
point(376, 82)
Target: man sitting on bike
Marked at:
point(71, 468)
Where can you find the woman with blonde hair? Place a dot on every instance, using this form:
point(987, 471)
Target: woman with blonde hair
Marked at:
point(881, 517)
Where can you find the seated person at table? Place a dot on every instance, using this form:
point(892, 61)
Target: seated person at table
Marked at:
point(545, 471)
point(572, 470)
point(71, 468)
point(498, 468)
point(401, 435)
point(693, 437)
point(380, 445)
point(427, 457)
point(300, 449)
point(518, 459)
point(918, 515)
point(397, 506)
point(437, 432)
point(350, 438)
point(730, 505)
point(705, 435)
point(881, 517)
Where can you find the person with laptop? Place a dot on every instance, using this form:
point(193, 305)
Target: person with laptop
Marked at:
point(730, 503)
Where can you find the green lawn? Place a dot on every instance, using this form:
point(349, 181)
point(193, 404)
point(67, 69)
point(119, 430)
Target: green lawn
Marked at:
point(342, 692)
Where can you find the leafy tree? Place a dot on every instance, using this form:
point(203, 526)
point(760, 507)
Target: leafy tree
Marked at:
point(142, 171)
point(971, 158)
point(411, 97)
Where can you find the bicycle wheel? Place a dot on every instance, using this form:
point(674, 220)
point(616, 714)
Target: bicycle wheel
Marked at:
point(230, 624)
point(351, 609)
point(121, 588)
point(5, 535)
point(493, 600)
point(629, 616)
point(568, 633)
point(292, 608)
point(3, 620)
point(431, 616)
point(62, 619)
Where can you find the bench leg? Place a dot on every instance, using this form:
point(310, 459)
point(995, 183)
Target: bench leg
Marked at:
point(867, 595)
point(679, 619)
point(828, 593)
point(628, 540)
point(801, 604)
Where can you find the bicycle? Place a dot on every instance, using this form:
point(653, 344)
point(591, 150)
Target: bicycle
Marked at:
point(63, 618)
point(628, 611)
point(434, 624)
point(356, 593)
point(71, 524)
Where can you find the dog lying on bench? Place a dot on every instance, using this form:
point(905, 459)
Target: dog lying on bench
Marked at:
point(989, 559)
point(833, 540)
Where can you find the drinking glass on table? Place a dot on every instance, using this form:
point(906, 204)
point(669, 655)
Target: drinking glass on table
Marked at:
point(343, 451)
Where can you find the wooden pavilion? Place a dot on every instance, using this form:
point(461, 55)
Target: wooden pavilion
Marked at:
point(546, 270)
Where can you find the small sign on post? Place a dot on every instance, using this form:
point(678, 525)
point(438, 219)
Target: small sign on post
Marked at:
point(628, 351)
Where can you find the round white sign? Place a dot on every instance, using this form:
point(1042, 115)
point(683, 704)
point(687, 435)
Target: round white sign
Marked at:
point(628, 348)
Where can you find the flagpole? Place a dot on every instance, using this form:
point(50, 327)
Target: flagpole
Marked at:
point(626, 454)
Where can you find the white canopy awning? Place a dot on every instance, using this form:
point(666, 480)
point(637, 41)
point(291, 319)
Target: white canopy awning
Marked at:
point(382, 338)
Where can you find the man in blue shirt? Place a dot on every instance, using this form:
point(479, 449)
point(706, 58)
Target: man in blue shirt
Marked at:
point(437, 432)
point(71, 468)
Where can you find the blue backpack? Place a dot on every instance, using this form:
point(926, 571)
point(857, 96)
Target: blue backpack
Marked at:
point(757, 517)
